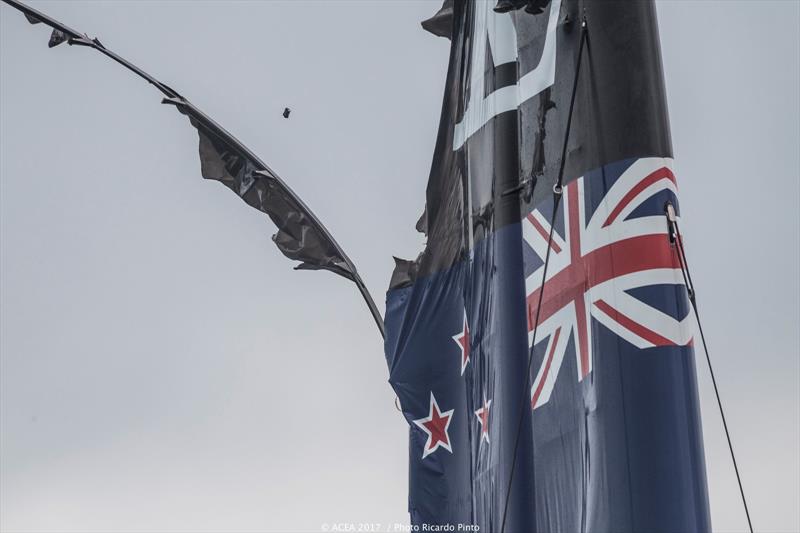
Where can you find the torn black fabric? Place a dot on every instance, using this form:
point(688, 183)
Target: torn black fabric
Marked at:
point(301, 236)
point(404, 274)
point(298, 236)
point(56, 38)
point(441, 23)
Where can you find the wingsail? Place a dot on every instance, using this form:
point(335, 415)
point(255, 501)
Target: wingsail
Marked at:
point(540, 346)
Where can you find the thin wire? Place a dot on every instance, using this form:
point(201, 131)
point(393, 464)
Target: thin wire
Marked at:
point(692, 299)
point(557, 191)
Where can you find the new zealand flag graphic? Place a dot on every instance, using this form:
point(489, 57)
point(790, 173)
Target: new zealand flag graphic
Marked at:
point(611, 266)
point(593, 425)
point(615, 431)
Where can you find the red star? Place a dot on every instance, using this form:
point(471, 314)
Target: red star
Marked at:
point(435, 426)
point(483, 418)
point(462, 339)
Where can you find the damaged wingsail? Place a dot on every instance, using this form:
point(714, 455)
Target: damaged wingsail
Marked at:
point(540, 346)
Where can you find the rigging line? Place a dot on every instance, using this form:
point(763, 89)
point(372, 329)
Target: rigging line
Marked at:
point(684, 264)
point(557, 194)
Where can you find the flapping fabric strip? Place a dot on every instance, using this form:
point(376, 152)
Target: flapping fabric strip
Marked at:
point(73, 37)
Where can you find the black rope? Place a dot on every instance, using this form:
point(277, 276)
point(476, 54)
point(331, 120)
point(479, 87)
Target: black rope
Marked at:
point(687, 278)
point(557, 194)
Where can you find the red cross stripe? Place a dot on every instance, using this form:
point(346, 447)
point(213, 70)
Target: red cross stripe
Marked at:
point(593, 265)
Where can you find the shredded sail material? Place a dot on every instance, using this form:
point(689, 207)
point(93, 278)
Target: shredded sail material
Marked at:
point(301, 236)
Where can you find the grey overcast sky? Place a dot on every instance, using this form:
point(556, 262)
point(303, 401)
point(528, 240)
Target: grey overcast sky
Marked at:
point(162, 368)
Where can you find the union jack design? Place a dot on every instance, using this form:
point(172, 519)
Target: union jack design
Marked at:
point(610, 239)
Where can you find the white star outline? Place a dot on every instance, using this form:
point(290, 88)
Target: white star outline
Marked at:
point(427, 450)
point(478, 413)
point(460, 335)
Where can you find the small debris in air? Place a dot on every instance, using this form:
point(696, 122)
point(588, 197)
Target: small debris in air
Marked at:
point(286, 112)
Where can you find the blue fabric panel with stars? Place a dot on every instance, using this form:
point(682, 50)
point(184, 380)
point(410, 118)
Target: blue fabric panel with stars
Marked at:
point(444, 335)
